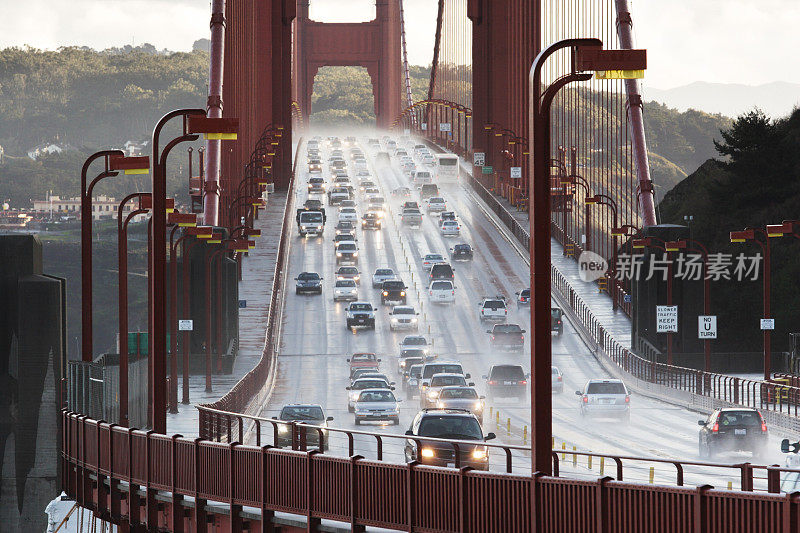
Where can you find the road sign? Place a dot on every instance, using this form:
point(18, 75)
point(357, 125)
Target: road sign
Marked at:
point(706, 327)
point(479, 159)
point(242, 304)
point(424, 126)
point(185, 325)
point(445, 126)
point(666, 318)
point(767, 323)
point(626, 298)
point(488, 170)
point(516, 172)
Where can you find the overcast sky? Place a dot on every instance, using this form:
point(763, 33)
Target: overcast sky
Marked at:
point(729, 41)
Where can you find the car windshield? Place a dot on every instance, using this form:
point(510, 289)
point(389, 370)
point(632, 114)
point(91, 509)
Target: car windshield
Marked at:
point(614, 387)
point(347, 247)
point(302, 412)
point(413, 353)
point(415, 371)
point(384, 272)
point(415, 341)
point(308, 276)
point(345, 283)
point(376, 200)
point(316, 180)
point(739, 418)
point(448, 162)
point(494, 304)
point(461, 393)
point(442, 270)
point(360, 357)
point(433, 257)
point(361, 307)
point(555, 312)
point(461, 247)
point(412, 361)
point(507, 328)
point(444, 381)
point(442, 286)
point(348, 210)
point(510, 372)
point(394, 285)
point(403, 311)
point(362, 384)
point(441, 368)
point(450, 427)
point(311, 217)
point(376, 396)
point(348, 271)
point(423, 174)
point(436, 200)
point(525, 292)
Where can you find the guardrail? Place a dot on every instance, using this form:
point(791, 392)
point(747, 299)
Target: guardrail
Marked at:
point(142, 479)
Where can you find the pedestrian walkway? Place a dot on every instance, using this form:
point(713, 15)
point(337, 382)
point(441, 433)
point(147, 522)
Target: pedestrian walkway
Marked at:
point(258, 268)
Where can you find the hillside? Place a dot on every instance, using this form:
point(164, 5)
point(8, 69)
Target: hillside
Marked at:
point(758, 184)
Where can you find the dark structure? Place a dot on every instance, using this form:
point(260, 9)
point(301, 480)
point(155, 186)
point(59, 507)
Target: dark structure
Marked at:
point(32, 359)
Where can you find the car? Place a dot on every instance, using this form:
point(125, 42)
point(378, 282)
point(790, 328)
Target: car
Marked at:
point(315, 165)
point(557, 320)
point(337, 194)
point(411, 217)
point(411, 382)
point(429, 190)
point(415, 341)
point(345, 226)
point(360, 314)
point(507, 380)
point(308, 282)
point(402, 192)
point(347, 252)
point(435, 385)
point(377, 204)
point(371, 221)
point(410, 205)
point(436, 204)
point(363, 361)
point(408, 358)
point(313, 204)
point(446, 215)
point(345, 289)
point(393, 290)
point(366, 184)
point(403, 317)
point(439, 367)
point(733, 429)
point(343, 237)
point(429, 160)
point(523, 297)
point(605, 397)
point(316, 185)
point(377, 405)
point(460, 397)
point(348, 272)
point(361, 383)
point(507, 337)
point(422, 177)
point(450, 228)
point(381, 275)
point(311, 414)
point(428, 260)
point(371, 191)
point(493, 309)
point(461, 252)
point(441, 271)
point(557, 380)
point(347, 203)
point(348, 214)
point(455, 424)
point(442, 291)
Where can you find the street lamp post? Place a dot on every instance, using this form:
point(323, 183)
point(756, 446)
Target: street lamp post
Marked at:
point(752, 235)
point(587, 215)
point(604, 199)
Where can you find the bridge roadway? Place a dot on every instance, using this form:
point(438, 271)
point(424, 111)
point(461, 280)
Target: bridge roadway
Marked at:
point(315, 342)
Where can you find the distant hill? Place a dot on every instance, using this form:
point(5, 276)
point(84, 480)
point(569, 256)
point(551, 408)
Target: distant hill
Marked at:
point(732, 99)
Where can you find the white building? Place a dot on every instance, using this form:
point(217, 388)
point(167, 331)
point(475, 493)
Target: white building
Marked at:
point(103, 207)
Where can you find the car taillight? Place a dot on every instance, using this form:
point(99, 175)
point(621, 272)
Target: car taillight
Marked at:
point(560, 378)
point(492, 382)
point(715, 429)
point(431, 293)
point(523, 382)
point(506, 311)
point(492, 337)
point(627, 399)
point(763, 427)
point(585, 399)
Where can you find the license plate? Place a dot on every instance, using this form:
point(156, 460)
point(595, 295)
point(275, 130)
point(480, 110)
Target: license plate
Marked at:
point(361, 320)
point(451, 465)
point(605, 402)
point(442, 296)
point(740, 432)
point(509, 383)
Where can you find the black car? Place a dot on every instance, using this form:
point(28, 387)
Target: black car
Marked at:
point(393, 291)
point(307, 414)
point(507, 337)
point(345, 226)
point(371, 221)
point(454, 424)
point(507, 380)
point(461, 252)
point(441, 271)
point(313, 204)
point(308, 282)
point(732, 429)
point(557, 320)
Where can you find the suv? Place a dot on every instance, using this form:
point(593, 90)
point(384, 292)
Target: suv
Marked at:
point(428, 190)
point(348, 272)
point(557, 320)
point(371, 220)
point(438, 381)
point(441, 271)
point(507, 337)
point(493, 309)
point(393, 291)
point(403, 317)
point(439, 367)
point(455, 424)
point(605, 396)
point(359, 384)
point(461, 398)
point(732, 429)
point(461, 252)
point(381, 275)
point(347, 252)
point(523, 297)
point(507, 380)
point(360, 314)
point(306, 414)
point(308, 282)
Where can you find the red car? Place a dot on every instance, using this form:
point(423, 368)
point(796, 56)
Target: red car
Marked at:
point(363, 360)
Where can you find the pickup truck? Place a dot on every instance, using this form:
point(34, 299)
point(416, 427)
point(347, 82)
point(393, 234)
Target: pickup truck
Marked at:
point(310, 221)
point(360, 314)
point(507, 337)
point(411, 217)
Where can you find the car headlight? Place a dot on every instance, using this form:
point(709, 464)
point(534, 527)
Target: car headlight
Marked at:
point(440, 405)
point(478, 406)
point(353, 291)
point(413, 320)
point(427, 453)
point(402, 293)
point(355, 254)
point(284, 429)
point(432, 394)
point(338, 254)
point(385, 293)
point(402, 364)
point(479, 454)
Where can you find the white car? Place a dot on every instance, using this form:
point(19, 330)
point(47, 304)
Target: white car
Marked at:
point(348, 214)
point(403, 317)
point(381, 275)
point(371, 191)
point(450, 228)
point(442, 291)
point(355, 388)
point(421, 177)
point(378, 405)
point(429, 160)
point(436, 204)
point(345, 289)
point(431, 259)
point(493, 309)
point(415, 342)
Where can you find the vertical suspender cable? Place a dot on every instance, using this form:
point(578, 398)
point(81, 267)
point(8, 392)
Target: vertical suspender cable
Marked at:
point(409, 97)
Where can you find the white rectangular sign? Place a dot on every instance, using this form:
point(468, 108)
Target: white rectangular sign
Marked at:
point(445, 126)
point(706, 327)
point(185, 325)
point(516, 172)
point(767, 323)
point(424, 126)
point(479, 159)
point(666, 318)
